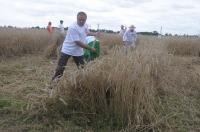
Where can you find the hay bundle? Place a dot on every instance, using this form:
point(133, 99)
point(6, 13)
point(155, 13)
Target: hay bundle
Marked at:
point(54, 49)
point(130, 80)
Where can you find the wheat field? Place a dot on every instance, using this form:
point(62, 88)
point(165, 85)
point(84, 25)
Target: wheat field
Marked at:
point(156, 87)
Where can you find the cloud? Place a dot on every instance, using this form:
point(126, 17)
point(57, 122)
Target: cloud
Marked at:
point(178, 16)
point(182, 6)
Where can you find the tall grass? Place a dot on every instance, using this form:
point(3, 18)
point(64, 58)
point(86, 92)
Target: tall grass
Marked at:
point(110, 40)
point(187, 46)
point(53, 50)
point(17, 42)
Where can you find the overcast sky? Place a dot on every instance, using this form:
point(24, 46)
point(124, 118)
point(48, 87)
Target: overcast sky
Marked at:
point(175, 16)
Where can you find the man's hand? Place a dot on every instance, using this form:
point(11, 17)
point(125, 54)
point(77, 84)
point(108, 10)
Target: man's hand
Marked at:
point(92, 50)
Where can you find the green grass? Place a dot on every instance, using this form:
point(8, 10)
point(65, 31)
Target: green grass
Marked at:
point(23, 76)
point(8, 106)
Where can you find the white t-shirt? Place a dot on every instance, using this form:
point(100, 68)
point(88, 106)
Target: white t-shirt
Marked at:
point(90, 39)
point(130, 36)
point(75, 33)
point(61, 28)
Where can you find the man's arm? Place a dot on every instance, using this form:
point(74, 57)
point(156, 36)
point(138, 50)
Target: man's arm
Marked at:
point(85, 46)
point(124, 36)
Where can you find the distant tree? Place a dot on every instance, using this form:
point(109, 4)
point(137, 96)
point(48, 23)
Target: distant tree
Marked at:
point(155, 33)
point(92, 30)
point(109, 31)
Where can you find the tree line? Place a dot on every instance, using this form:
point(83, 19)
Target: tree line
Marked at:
point(154, 33)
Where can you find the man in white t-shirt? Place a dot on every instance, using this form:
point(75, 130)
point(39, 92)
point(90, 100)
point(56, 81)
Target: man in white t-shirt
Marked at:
point(74, 43)
point(129, 38)
point(61, 27)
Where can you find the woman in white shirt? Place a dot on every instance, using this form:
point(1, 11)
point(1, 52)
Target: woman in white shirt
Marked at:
point(122, 30)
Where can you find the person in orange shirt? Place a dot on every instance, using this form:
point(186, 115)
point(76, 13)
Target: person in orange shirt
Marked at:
point(49, 28)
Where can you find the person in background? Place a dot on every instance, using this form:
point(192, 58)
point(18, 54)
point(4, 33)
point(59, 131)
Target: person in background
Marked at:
point(49, 28)
point(122, 30)
point(73, 45)
point(61, 27)
point(129, 38)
